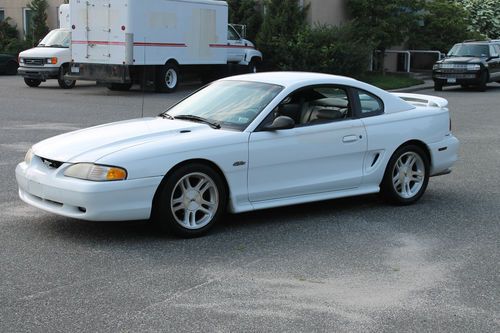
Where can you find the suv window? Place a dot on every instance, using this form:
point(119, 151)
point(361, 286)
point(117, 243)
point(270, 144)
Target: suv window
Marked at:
point(494, 50)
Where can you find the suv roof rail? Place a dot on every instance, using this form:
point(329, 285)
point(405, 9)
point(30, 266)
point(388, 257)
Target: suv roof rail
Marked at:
point(475, 40)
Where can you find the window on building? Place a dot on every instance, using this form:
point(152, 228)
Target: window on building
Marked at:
point(2, 14)
point(27, 21)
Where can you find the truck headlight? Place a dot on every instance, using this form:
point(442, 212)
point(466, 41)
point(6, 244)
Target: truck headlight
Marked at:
point(473, 67)
point(95, 172)
point(436, 66)
point(28, 157)
point(21, 60)
point(52, 60)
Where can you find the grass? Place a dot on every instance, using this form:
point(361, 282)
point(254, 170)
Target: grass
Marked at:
point(389, 81)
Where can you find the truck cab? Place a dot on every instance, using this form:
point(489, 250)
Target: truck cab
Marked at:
point(240, 50)
point(50, 59)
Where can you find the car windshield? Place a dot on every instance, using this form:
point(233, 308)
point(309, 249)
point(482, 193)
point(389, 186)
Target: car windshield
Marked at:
point(56, 38)
point(233, 104)
point(469, 50)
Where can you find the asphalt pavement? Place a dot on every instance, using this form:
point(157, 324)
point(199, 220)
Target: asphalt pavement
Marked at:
point(349, 265)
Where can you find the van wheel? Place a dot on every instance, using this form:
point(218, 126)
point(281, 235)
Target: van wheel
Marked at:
point(406, 176)
point(33, 83)
point(63, 83)
point(167, 78)
point(190, 200)
point(252, 66)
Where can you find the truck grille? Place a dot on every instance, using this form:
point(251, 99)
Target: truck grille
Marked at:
point(33, 62)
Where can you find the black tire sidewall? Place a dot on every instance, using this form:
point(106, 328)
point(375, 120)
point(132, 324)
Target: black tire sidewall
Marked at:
point(387, 187)
point(32, 83)
point(162, 214)
point(62, 82)
point(160, 84)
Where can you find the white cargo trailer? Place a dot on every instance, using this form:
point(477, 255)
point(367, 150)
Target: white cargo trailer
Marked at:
point(125, 41)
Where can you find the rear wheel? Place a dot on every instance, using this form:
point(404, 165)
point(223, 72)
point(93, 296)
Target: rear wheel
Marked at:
point(406, 176)
point(64, 83)
point(167, 78)
point(33, 83)
point(190, 201)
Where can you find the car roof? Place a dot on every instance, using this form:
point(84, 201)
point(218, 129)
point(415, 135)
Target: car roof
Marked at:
point(288, 79)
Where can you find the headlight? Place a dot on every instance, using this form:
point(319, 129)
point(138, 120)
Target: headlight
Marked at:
point(436, 66)
point(474, 67)
point(95, 172)
point(21, 60)
point(28, 157)
point(52, 60)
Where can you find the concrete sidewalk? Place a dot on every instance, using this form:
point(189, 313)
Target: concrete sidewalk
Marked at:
point(428, 84)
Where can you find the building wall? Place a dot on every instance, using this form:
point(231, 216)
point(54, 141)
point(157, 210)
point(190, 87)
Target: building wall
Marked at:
point(14, 10)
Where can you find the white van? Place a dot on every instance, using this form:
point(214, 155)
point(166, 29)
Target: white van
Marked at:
point(120, 42)
point(51, 58)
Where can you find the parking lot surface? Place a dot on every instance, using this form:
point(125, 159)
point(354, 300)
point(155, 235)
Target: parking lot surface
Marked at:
point(349, 265)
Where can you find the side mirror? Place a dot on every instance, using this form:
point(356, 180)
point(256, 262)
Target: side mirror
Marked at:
point(280, 123)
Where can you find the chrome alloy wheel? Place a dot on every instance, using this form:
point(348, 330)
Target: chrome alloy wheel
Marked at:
point(194, 200)
point(408, 175)
point(171, 78)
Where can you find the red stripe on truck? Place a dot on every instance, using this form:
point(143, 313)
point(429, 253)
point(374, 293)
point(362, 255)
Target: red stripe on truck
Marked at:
point(225, 46)
point(98, 42)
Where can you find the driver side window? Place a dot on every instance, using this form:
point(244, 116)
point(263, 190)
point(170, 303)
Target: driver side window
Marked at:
point(316, 105)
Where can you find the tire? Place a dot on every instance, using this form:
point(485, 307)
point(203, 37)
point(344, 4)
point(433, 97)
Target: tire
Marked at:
point(190, 200)
point(167, 78)
point(406, 176)
point(65, 84)
point(483, 81)
point(438, 86)
point(119, 86)
point(252, 66)
point(11, 68)
point(33, 83)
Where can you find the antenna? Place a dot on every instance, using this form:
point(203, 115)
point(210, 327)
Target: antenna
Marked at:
point(143, 83)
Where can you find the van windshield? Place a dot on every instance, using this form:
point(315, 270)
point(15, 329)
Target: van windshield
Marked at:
point(56, 38)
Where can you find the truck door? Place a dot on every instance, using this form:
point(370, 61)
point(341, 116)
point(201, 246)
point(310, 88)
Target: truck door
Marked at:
point(98, 30)
point(236, 46)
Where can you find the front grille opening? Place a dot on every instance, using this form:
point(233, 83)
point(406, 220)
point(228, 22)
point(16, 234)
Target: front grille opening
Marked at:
point(51, 163)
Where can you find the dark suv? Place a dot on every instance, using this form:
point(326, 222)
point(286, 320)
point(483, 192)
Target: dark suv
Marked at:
point(468, 63)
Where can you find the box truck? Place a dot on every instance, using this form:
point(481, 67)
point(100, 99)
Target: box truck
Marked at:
point(120, 42)
point(52, 56)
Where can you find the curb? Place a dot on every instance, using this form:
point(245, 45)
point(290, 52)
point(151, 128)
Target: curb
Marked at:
point(429, 84)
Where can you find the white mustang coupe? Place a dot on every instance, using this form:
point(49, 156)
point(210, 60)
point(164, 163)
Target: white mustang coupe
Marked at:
point(244, 143)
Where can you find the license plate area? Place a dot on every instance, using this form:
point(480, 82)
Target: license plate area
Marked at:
point(451, 80)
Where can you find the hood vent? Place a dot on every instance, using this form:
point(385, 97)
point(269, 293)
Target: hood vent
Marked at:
point(51, 163)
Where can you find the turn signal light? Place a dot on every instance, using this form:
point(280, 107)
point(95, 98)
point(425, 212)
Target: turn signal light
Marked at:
point(116, 174)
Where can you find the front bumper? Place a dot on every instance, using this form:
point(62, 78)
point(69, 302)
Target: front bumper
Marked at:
point(39, 73)
point(48, 189)
point(454, 78)
point(443, 155)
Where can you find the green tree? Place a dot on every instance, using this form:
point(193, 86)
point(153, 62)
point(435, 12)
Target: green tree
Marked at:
point(39, 26)
point(386, 23)
point(444, 23)
point(484, 16)
point(282, 21)
point(9, 38)
point(247, 12)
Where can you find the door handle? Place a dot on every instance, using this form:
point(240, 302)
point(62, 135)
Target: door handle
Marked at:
point(350, 138)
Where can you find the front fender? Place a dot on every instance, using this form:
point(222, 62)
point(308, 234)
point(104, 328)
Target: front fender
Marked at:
point(249, 55)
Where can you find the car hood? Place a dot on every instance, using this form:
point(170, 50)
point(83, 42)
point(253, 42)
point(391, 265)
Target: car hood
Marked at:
point(461, 60)
point(92, 144)
point(44, 52)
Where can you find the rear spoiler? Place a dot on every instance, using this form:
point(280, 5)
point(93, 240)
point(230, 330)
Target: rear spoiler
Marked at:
point(423, 100)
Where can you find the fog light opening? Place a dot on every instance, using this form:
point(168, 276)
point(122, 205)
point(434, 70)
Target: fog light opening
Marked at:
point(82, 209)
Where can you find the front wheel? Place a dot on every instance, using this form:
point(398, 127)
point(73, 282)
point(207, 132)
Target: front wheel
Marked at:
point(190, 201)
point(406, 176)
point(167, 78)
point(252, 66)
point(438, 86)
point(65, 83)
point(33, 83)
point(483, 81)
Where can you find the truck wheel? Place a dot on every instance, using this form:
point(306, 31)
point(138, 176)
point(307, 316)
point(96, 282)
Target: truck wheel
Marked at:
point(438, 86)
point(252, 66)
point(167, 78)
point(64, 83)
point(120, 86)
point(33, 83)
point(483, 81)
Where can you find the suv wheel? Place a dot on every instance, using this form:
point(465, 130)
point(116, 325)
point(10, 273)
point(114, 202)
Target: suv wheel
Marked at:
point(438, 86)
point(483, 81)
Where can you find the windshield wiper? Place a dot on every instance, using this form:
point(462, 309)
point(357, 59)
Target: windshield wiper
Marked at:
point(166, 116)
point(212, 124)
